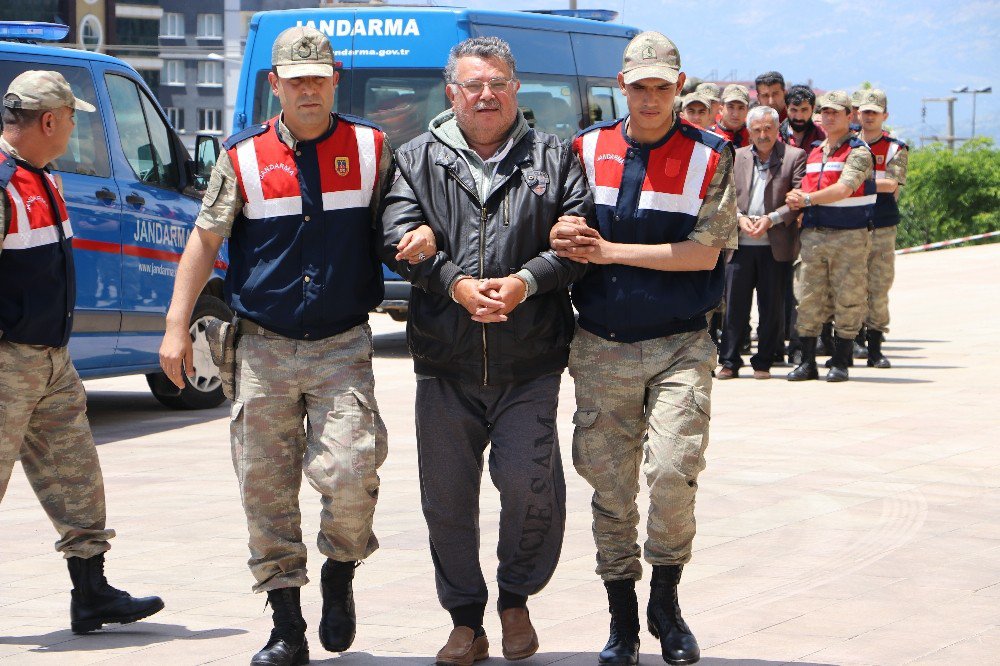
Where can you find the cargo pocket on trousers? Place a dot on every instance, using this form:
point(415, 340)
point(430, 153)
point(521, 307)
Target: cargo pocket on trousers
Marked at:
point(689, 451)
point(584, 443)
point(236, 439)
point(369, 439)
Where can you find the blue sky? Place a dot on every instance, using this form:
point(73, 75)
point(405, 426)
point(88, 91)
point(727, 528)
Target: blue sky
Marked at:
point(910, 48)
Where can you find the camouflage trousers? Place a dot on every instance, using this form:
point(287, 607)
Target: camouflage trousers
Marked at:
point(306, 406)
point(831, 280)
point(43, 423)
point(642, 404)
point(881, 273)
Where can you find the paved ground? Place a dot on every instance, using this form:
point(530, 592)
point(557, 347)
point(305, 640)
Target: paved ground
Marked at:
point(838, 524)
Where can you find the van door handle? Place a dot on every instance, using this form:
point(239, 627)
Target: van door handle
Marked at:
point(135, 199)
point(105, 195)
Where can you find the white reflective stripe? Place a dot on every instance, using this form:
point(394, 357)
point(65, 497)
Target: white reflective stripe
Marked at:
point(346, 199)
point(816, 167)
point(273, 208)
point(589, 147)
point(689, 201)
point(880, 173)
point(26, 237)
point(893, 149)
point(256, 206)
point(606, 196)
point(22, 212)
point(866, 200)
point(366, 152)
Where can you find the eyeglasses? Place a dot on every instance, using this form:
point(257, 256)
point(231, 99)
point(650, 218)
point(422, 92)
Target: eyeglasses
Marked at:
point(476, 87)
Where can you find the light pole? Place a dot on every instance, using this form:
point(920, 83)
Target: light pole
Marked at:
point(974, 91)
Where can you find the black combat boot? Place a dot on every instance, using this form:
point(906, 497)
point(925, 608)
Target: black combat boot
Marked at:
point(840, 360)
point(876, 359)
point(807, 368)
point(339, 624)
point(95, 603)
point(860, 350)
point(826, 341)
point(623, 644)
point(677, 643)
point(287, 645)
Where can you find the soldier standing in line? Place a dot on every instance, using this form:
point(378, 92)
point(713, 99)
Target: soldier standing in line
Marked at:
point(837, 195)
point(43, 406)
point(733, 125)
point(641, 359)
point(297, 198)
point(891, 157)
point(713, 94)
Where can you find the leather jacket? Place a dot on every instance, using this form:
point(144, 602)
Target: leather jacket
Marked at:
point(537, 181)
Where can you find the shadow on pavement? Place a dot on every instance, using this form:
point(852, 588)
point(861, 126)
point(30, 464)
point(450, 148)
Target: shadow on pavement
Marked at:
point(554, 658)
point(889, 380)
point(391, 345)
point(133, 635)
point(116, 415)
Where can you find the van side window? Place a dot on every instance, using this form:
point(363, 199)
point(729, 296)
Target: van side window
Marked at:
point(402, 102)
point(144, 136)
point(87, 152)
point(552, 101)
point(605, 102)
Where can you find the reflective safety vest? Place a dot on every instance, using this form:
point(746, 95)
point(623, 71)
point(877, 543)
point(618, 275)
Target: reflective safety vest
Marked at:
point(302, 258)
point(37, 277)
point(854, 212)
point(739, 138)
point(886, 209)
point(648, 194)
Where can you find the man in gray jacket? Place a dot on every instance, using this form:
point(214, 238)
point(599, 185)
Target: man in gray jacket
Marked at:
point(489, 330)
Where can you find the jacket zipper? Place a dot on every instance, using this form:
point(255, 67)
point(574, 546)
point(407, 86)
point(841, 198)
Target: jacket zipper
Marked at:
point(483, 217)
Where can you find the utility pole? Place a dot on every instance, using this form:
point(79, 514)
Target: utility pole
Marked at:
point(974, 91)
point(950, 138)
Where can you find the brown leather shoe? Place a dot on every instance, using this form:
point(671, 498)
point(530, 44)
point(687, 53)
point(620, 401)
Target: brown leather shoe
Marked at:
point(463, 648)
point(727, 373)
point(761, 374)
point(519, 638)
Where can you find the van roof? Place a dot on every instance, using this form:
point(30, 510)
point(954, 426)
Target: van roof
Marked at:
point(514, 19)
point(55, 51)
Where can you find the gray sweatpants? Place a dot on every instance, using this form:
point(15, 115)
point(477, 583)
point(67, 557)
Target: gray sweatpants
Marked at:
point(455, 422)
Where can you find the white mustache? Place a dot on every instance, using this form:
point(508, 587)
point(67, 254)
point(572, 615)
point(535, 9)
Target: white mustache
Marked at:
point(492, 105)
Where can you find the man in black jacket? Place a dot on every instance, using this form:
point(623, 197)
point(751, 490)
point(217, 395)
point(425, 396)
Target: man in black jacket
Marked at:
point(489, 331)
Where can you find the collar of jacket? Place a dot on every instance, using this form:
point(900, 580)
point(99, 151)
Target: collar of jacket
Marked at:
point(519, 158)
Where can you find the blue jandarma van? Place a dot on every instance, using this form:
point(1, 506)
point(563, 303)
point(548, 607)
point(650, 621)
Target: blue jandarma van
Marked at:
point(133, 194)
point(393, 59)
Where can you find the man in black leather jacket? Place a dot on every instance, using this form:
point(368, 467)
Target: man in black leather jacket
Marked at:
point(489, 330)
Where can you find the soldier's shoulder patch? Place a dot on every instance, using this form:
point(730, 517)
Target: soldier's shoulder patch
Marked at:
point(857, 142)
point(7, 168)
point(901, 144)
point(215, 183)
point(358, 120)
point(599, 125)
point(243, 135)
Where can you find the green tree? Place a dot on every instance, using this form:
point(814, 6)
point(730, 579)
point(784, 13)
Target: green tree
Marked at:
point(950, 194)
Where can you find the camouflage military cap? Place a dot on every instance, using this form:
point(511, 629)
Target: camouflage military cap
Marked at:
point(734, 92)
point(696, 98)
point(709, 91)
point(650, 55)
point(856, 98)
point(302, 51)
point(872, 100)
point(835, 99)
point(37, 90)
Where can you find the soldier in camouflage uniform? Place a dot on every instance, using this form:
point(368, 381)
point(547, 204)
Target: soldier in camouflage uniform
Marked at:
point(303, 276)
point(838, 195)
point(43, 407)
point(641, 358)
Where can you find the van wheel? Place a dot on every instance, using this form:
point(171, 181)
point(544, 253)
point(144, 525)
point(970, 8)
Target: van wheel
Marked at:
point(204, 390)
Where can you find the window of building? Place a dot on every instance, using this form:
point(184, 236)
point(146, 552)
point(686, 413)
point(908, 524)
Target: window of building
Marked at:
point(209, 73)
point(209, 26)
point(173, 73)
point(172, 25)
point(210, 120)
point(176, 117)
point(91, 33)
